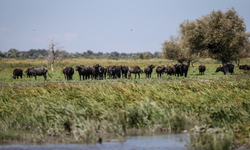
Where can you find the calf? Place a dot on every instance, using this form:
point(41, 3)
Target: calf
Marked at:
point(202, 69)
point(17, 73)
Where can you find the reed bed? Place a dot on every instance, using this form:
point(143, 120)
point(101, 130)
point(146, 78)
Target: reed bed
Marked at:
point(82, 110)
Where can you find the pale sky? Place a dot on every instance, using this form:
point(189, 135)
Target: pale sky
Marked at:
point(102, 25)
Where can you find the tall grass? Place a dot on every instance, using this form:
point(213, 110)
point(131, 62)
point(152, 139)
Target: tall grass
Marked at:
point(71, 111)
point(82, 110)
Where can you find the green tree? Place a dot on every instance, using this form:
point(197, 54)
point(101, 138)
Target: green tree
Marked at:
point(147, 55)
point(222, 34)
point(173, 49)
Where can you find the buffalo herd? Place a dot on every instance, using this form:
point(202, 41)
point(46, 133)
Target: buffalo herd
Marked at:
point(99, 72)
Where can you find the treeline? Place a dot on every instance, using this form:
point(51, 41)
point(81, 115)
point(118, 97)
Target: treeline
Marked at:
point(61, 54)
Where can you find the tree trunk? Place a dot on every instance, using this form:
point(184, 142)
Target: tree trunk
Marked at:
point(237, 61)
point(225, 68)
point(53, 59)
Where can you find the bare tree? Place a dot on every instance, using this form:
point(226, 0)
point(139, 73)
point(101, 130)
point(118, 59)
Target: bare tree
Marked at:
point(53, 47)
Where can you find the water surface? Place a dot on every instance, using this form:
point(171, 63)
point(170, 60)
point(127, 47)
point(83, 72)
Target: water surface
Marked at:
point(146, 142)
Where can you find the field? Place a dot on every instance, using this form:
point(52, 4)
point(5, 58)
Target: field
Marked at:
point(213, 108)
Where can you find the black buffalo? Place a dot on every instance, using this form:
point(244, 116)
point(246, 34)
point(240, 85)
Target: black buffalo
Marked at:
point(170, 70)
point(244, 67)
point(160, 70)
point(38, 71)
point(68, 72)
point(181, 69)
point(17, 73)
point(230, 69)
point(84, 71)
point(124, 71)
point(101, 72)
point(95, 71)
point(109, 71)
point(148, 70)
point(135, 70)
point(27, 73)
point(202, 69)
point(116, 71)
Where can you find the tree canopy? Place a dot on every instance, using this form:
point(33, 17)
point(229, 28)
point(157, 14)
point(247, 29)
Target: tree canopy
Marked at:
point(222, 34)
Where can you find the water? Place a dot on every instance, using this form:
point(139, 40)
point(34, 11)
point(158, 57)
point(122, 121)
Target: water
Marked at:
point(148, 142)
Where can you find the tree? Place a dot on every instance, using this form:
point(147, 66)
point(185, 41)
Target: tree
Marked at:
point(222, 34)
point(147, 55)
point(173, 49)
point(53, 47)
point(2, 54)
point(244, 52)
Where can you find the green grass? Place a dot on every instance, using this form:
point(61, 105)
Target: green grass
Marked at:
point(80, 110)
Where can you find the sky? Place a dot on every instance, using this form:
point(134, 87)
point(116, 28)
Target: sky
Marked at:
point(102, 25)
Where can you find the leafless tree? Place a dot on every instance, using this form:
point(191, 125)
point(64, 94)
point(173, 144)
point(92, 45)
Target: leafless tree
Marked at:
point(53, 47)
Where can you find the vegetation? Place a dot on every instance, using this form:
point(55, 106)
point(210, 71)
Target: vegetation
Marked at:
point(208, 106)
point(218, 35)
point(60, 54)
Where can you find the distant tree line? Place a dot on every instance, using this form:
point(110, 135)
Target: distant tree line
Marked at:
point(62, 54)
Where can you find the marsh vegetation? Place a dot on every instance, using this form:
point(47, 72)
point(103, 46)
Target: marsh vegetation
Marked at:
point(214, 108)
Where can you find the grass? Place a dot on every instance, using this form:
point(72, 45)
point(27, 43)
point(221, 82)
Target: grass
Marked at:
point(212, 104)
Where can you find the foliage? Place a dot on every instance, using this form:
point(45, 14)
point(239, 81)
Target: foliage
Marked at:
point(62, 54)
point(224, 34)
point(171, 49)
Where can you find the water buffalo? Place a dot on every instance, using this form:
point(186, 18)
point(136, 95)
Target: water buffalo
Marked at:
point(104, 73)
point(101, 71)
point(116, 71)
point(148, 70)
point(68, 72)
point(177, 69)
point(230, 69)
point(95, 71)
point(109, 71)
point(38, 71)
point(124, 71)
point(17, 73)
point(185, 69)
point(84, 71)
point(169, 70)
point(202, 69)
point(244, 67)
point(160, 70)
point(181, 69)
point(27, 73)
point(135, 70)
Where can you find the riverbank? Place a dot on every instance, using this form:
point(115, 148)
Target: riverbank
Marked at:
point(79, 112)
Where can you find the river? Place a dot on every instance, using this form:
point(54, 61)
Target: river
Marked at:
point(131, 142)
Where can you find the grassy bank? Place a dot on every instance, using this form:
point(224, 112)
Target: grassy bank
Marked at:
point(81, 111)
point(213, 108)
